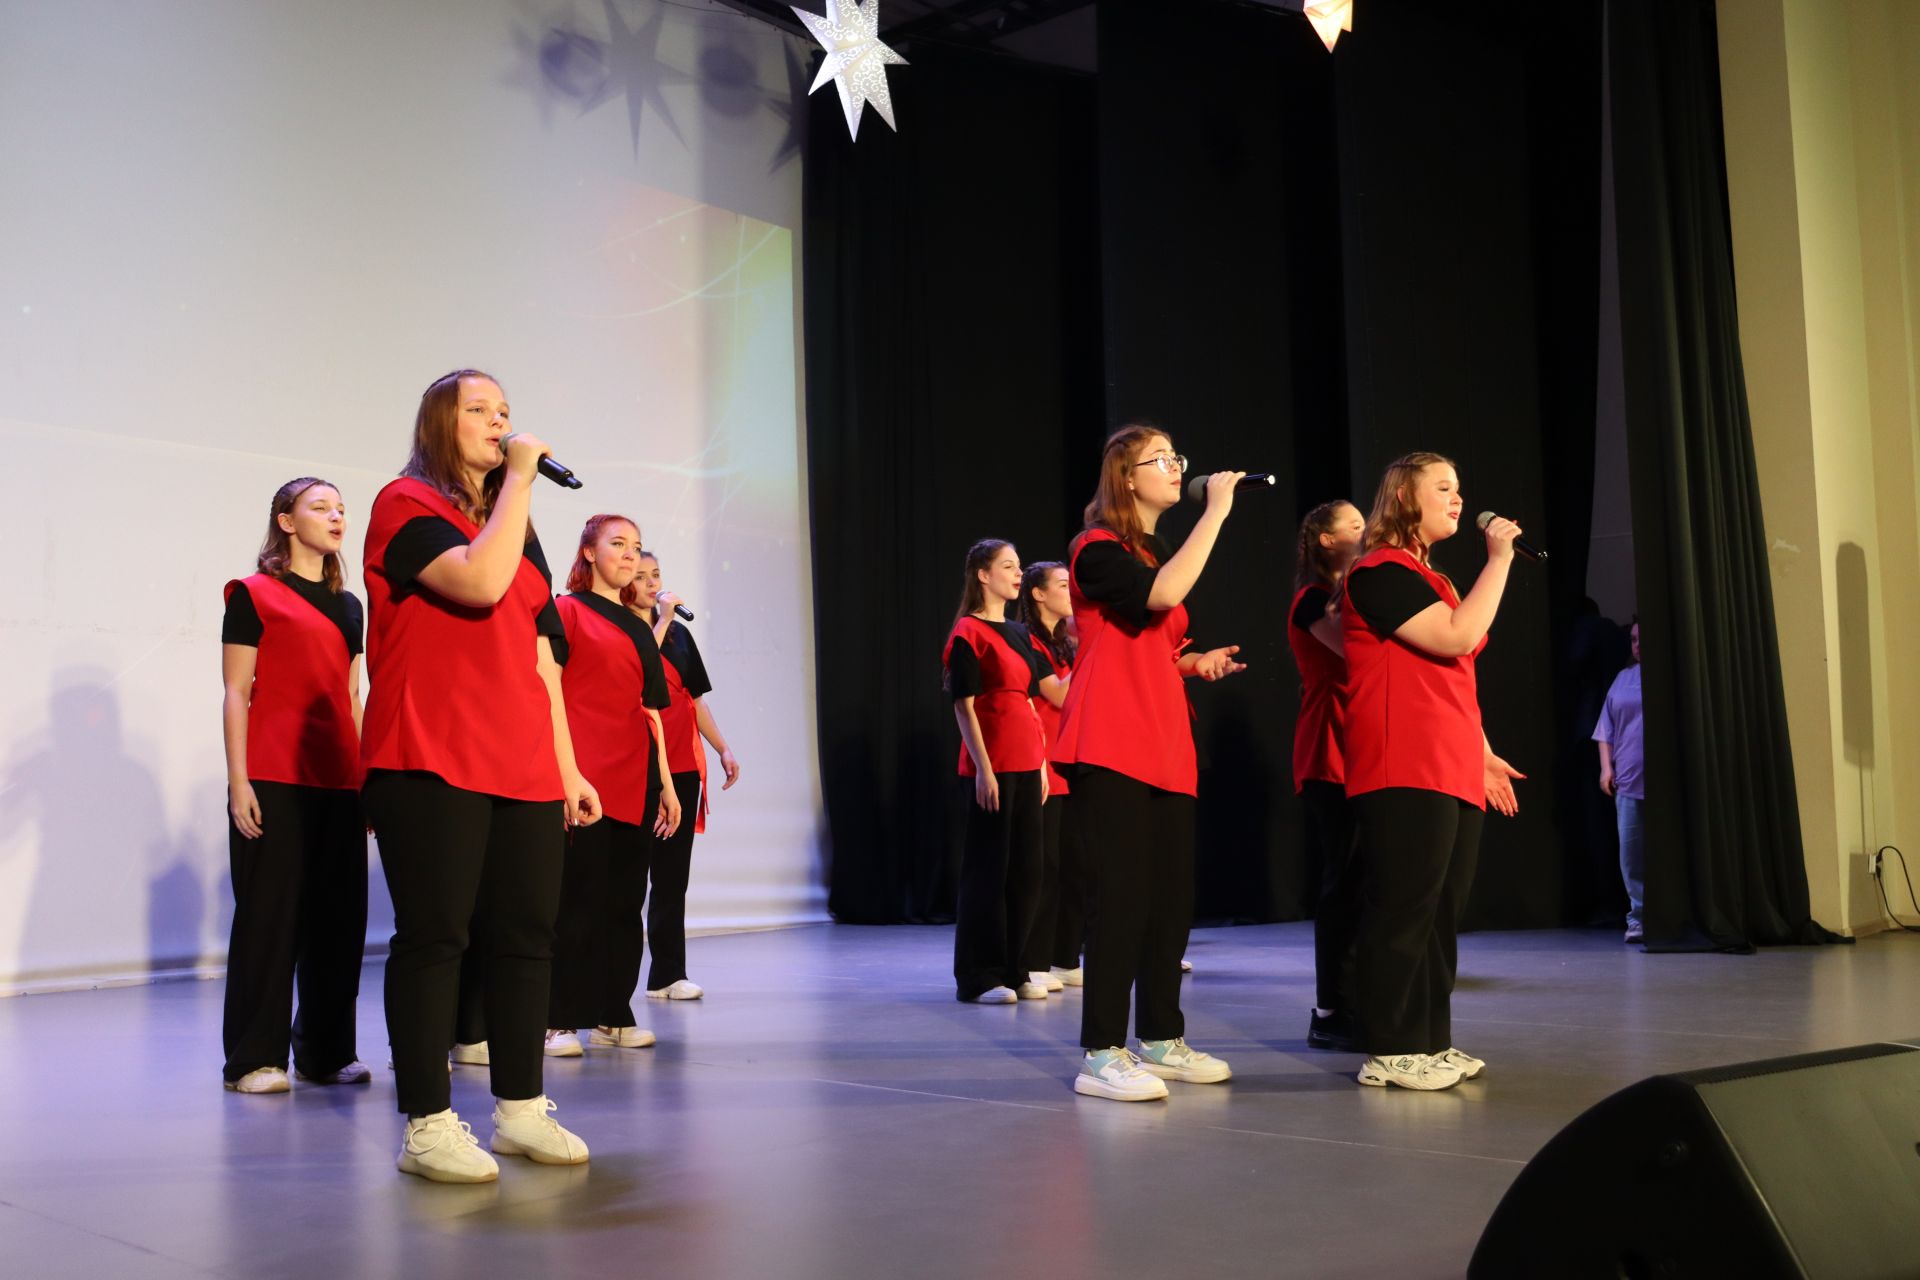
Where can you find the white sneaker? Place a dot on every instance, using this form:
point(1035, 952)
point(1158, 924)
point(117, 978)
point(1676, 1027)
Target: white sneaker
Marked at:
point(533, 1133)
point(1409, 1071)
point(1465, 1063)
point(354, 1072)
point(1074, 977)
point(1115, 1073)
point(471, 1055)
point(261, 1080)
point(1032, 991)
point(563, 1044)
point(620, 1037)
point(681, 990)
point(1186, 965)
point(997, 995)
point(1041, 978)
point(441, 1148)
point(1177, 1060)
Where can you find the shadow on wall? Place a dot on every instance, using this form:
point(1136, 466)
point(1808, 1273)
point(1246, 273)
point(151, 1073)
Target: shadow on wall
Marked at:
point(100, 829)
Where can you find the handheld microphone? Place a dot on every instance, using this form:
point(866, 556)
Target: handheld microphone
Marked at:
point(685, 614)
point(1521, 545)
point(551, 468)
point(1197, 487)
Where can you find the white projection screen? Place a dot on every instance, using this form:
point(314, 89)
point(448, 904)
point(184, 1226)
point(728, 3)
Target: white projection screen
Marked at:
point(237, 239)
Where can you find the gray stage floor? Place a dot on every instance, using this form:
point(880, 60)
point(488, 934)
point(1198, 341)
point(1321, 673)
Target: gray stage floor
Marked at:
point(829, 1110)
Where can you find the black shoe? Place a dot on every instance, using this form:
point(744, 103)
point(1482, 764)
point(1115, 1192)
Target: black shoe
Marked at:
point(1335, 1033)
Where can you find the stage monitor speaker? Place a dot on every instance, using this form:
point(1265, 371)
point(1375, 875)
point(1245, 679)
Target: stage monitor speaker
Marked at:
point(1805, 1166)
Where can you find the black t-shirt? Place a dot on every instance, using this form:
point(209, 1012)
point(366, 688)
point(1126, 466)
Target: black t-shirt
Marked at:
point(679, 649)
point(1110, 575)
point(963, 664)
point(424, 539)
point(242, 624)
point(1312, 607)
point(1386, 595)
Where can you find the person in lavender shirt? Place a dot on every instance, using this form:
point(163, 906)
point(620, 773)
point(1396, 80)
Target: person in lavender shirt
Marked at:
point(1621, 776)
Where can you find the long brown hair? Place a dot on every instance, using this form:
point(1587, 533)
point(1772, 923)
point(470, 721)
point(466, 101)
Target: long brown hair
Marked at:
point(580, 577)
point(1313, 563)
point(1395, 521)
point(276, 550)
point(973, 592)
point(1027, 612)
point(436, 449)
point(1112, 507)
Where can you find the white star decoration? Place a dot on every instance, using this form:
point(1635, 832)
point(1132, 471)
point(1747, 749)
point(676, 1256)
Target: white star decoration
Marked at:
point(856, 61)
point(1330, 18)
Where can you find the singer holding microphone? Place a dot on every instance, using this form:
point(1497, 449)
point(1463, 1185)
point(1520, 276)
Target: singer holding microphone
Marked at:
point(1419, 769)
point(1126, 730)
point(686, 719)
point(471, 780)
point(615, 690)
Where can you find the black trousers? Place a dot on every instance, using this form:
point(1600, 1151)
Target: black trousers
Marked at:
point(1039, 949)
point(599, 935)
point(299, 920)
point(1329, 832)
point(466, 870)
point(999, 887)
point(1139, 843)
point(1416, 851)
point(671, 864)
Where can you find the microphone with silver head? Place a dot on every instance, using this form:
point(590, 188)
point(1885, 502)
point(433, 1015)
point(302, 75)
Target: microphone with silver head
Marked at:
point(1521, 545)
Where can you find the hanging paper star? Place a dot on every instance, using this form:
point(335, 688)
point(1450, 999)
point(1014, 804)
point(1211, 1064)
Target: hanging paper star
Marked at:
point(1330, 18)
point(856, 61)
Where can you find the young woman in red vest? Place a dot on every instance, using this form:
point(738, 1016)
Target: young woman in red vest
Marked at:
point(471, 779)
point(290, 661)
point(993, 676)
point(686, 720)
point(1045, 609)
point(1419, 769)
point(1330, 538)
point(615, 689)
point(1127, 730)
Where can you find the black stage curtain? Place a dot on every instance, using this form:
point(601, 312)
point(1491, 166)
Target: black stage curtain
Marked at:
point(953, 393)
point(1724, 861)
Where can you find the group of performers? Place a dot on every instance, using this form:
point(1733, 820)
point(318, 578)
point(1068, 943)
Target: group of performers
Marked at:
point(1391, 763)
point(528, 765)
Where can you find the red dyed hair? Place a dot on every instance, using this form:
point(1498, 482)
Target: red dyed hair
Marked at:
point(580, 577)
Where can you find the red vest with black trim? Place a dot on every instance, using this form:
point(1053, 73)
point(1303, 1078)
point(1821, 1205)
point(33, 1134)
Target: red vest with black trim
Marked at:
point(1009, 724)
point(299, 713)
point(1318, 733)
point(1050, 720)
point(685, 752)
point(1127, 707)
point(1413, 719)
point(453, 690)
point(604, 686)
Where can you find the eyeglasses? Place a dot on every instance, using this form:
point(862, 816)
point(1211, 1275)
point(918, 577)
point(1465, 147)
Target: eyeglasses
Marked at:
point(1167, 462)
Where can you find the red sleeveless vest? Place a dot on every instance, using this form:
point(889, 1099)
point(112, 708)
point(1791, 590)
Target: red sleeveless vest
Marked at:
point(453, 690)
point(1413, 719)
point(1050, 720)
point(1009, 724)
point(604, 683)
point(299, 716)
point(1318, 734)
point(1127, 707)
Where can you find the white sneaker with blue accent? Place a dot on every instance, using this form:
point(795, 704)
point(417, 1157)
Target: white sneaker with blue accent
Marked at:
point(1115, 1073)
point(1175, 1059)
point(1409, 1071)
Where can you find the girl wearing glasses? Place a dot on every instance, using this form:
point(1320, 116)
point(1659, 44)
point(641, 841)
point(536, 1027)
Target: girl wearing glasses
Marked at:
point(1126, 730)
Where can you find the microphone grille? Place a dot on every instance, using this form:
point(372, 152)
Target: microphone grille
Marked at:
point(1485, 518)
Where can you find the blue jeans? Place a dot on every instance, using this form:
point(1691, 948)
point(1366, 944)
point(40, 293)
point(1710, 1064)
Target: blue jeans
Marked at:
point(1633, 856)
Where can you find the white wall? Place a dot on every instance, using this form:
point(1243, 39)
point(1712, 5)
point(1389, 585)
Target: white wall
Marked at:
point(237, 239)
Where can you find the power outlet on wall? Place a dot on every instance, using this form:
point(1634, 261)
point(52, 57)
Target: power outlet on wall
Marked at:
point(1873, 864)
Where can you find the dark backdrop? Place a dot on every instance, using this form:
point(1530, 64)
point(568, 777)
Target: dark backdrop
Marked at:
point(1296, 262)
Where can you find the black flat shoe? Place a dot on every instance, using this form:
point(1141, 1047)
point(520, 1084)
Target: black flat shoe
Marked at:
point(1334, 1033)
